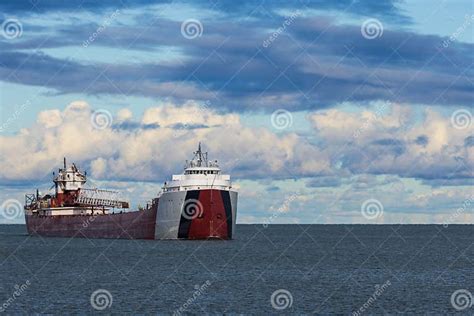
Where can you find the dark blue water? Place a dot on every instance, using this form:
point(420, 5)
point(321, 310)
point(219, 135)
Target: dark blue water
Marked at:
point(325, 269)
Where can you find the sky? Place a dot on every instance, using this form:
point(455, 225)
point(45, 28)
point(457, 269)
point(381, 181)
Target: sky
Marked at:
point(321, 111)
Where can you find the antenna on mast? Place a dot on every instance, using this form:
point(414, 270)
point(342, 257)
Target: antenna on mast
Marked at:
point(199, 155)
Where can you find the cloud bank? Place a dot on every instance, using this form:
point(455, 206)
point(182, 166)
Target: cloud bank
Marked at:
point(384, 140)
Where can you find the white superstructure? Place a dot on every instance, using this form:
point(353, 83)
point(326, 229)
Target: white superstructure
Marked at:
point(197, 203)
point(199, 173)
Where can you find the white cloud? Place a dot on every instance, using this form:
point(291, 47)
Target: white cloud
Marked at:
point(349, 145)
point(149, 153)
point(50, 118)
point(394, 142)
point(190, 113)
point(370, 141)
point(99, 166)
point(124, 115)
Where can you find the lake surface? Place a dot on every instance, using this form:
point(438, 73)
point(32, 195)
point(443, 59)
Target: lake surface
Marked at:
point(281, 269)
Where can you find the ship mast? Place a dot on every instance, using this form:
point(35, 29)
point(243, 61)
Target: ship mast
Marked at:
point(201, 157)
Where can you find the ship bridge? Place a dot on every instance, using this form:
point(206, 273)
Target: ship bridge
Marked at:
point(71, 197)
point(199, 173)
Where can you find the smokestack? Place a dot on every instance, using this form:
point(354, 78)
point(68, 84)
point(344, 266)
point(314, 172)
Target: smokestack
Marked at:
point(64, 163)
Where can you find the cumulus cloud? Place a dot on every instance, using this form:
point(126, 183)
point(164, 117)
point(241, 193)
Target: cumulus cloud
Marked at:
point(345, 158)
point(98, 166)
point(51, 118)
point(382, 140)
point(388, 140)
point(124, 115)
point(191, 113)
point(152, 154)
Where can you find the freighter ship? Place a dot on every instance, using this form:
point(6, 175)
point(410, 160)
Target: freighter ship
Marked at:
point(198, 204)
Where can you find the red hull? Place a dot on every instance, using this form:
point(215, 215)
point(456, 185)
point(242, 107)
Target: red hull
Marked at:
point(216, 219)
point(128, 225)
